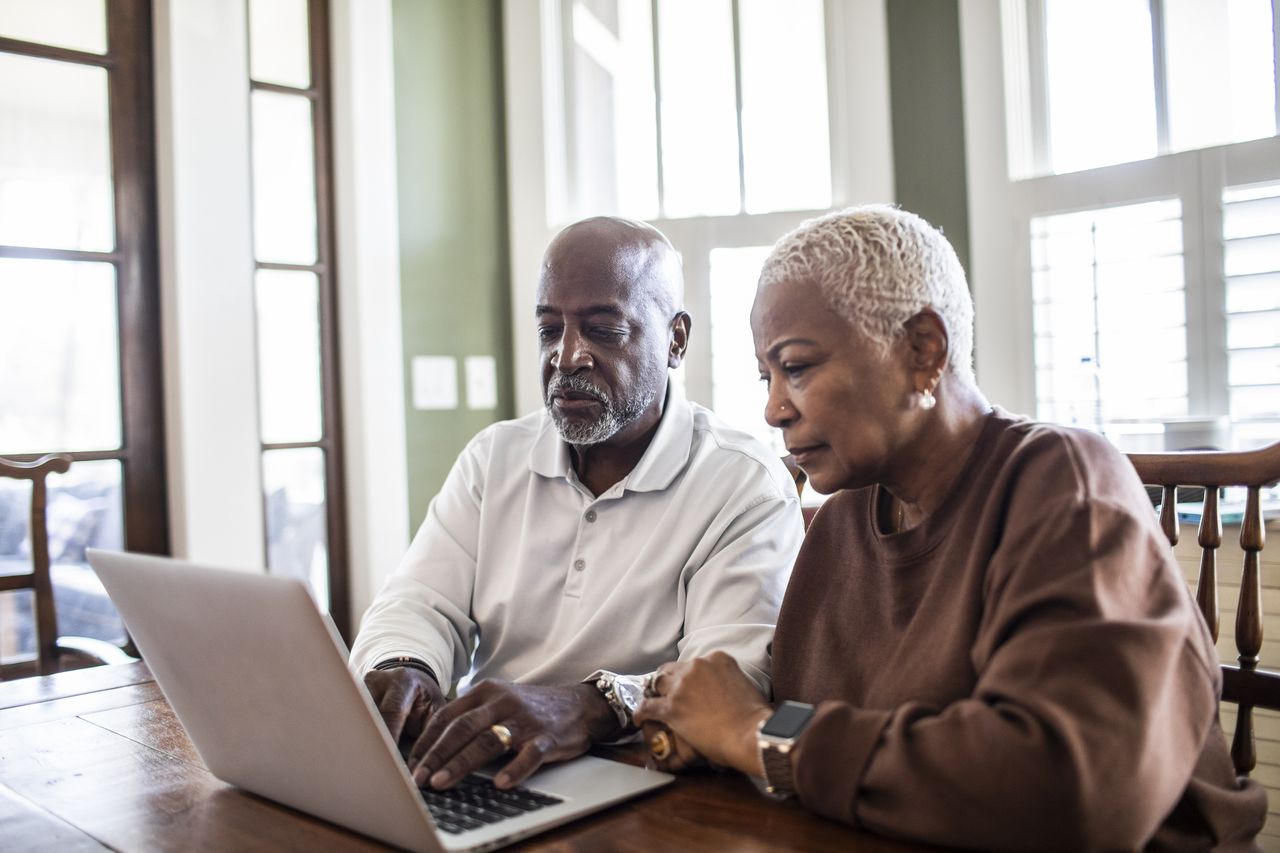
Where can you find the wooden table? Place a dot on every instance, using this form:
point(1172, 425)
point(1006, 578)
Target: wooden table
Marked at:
point(95, 759)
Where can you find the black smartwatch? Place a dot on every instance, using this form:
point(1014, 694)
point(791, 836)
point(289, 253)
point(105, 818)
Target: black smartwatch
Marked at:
point(775, 739)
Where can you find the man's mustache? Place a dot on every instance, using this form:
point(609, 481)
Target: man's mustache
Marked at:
point(569, 382)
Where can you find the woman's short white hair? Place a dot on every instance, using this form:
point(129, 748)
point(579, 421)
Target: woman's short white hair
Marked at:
point(879, 266)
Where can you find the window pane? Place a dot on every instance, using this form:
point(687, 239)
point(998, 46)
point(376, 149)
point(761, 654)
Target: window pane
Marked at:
point(297, 541)
point(84, 509)
point(736, 390)
point(1101, 87)
point(279, 42)
point(699, 105)
point(1110, 315)
point(615, 162)
point(786, 145)
point(1221, 71)
point(55, 155)
point(284, 189)
point(288, 355)
point(77, 24)
point(59, 355)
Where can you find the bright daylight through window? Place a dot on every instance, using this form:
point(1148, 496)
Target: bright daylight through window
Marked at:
point(1155, 287)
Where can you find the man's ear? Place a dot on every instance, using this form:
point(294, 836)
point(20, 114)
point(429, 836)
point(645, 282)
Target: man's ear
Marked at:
point(928, 345)
point(681, 326)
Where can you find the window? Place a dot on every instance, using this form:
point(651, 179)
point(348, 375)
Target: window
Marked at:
point(714, 107)
point(1251, 264)
point(1150, 256)
point(1159, 76)
point(80, 348)
point(295, 297)
point(1110, 315)
point(714, 120)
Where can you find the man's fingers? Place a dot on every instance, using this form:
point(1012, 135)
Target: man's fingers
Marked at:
point(531, 756)
point(479, 751)
point(457, 736)
point(438, 723)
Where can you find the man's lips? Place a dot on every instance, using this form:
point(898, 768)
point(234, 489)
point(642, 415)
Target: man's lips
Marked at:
point(575, 400)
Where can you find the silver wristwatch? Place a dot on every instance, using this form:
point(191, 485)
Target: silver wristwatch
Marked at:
point(624, 693)
point(776, 739)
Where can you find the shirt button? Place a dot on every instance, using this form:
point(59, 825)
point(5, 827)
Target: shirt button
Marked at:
point(591, 515)
point(579, 565)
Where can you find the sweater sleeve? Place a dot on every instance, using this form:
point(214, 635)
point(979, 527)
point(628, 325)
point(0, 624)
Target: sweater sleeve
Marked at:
point(1093, 701)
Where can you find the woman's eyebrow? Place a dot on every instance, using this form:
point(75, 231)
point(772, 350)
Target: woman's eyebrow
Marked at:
point(773, 350)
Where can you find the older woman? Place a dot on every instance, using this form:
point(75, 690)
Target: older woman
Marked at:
point(985, 641)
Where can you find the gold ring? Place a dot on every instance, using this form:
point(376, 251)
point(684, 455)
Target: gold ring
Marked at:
point(503, 734)
point(660, 745)
point(651, 685)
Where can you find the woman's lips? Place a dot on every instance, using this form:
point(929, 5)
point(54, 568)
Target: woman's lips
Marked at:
point(800, 454)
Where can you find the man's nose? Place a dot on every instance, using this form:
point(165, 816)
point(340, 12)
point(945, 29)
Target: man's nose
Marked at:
point(572, 355)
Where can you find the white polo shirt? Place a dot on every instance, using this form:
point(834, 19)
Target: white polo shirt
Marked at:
point(519, 563)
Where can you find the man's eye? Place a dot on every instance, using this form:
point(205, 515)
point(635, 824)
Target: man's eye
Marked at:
point(547, 333)
point(607, 334)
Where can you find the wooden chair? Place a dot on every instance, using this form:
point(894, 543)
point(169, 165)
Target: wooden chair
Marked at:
point(1244, 684)
point(53, 653)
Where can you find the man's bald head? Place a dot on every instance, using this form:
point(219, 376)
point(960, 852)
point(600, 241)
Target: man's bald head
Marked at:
point(622, 250)
point(611, 322)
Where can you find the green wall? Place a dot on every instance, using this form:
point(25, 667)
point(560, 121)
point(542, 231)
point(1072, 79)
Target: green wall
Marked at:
point(928, 115)
point(454, 265)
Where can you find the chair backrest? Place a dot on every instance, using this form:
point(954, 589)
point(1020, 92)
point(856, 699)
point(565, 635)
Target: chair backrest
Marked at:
point(1244, 684)
point(38, 580)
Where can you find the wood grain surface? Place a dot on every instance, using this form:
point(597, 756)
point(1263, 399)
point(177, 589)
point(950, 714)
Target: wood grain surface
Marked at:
point(104, 763)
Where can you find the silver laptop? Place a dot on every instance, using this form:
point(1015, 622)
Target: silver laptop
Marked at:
point(258, 677)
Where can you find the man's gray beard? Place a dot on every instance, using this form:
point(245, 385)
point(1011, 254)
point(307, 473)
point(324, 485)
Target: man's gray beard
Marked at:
point(613, 417)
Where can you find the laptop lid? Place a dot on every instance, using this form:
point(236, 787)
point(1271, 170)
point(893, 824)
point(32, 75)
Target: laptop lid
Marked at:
point(237, 654)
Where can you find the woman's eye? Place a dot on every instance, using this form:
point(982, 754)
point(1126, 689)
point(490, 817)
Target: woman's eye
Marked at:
point(794, 369)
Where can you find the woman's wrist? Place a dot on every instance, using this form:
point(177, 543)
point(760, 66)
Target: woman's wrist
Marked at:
point(746, 756)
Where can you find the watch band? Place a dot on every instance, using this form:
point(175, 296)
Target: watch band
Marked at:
point(618, 691)
point(776, 748)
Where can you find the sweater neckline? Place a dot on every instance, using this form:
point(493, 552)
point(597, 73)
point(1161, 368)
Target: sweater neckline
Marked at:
point(926, 535)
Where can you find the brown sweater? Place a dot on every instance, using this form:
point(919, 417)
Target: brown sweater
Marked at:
point(1025, 669)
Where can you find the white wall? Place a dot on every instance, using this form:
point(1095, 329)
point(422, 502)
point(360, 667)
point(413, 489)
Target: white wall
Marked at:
point(206, 283)
point(369, 293)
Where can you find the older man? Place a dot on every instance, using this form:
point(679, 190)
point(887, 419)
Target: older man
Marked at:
point(572, 551)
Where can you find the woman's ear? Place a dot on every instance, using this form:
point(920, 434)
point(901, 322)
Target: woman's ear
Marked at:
point(928, 344)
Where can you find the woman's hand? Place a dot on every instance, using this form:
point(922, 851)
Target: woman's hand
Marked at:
point(709, 703)
point(677, 754)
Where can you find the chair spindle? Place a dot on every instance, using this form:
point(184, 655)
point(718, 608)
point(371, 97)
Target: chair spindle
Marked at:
point(1210, 538)
point(1249, 625)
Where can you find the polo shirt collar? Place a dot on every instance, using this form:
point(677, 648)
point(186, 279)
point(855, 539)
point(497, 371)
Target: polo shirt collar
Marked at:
point(662, 462)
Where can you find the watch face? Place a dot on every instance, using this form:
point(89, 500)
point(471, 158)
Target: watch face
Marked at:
point(629, 692)
point(788, 720)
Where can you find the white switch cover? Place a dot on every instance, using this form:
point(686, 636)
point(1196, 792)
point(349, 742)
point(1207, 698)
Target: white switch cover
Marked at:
point(482, 382)
point(435, 382)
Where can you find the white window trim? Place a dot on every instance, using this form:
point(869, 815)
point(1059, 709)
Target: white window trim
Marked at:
point(1000, 212)
point(861, 167)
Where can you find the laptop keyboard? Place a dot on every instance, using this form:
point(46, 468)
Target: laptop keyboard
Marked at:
point(475, 801)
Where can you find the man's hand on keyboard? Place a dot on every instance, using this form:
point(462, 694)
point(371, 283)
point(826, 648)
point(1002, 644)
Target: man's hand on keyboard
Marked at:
point(406, 698)
point(545, 723)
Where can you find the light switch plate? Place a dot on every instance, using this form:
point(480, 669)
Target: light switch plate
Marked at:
point(435, 382)
point(482, 382)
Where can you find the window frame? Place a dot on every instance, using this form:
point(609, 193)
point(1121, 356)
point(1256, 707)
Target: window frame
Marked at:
point(330, 443)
